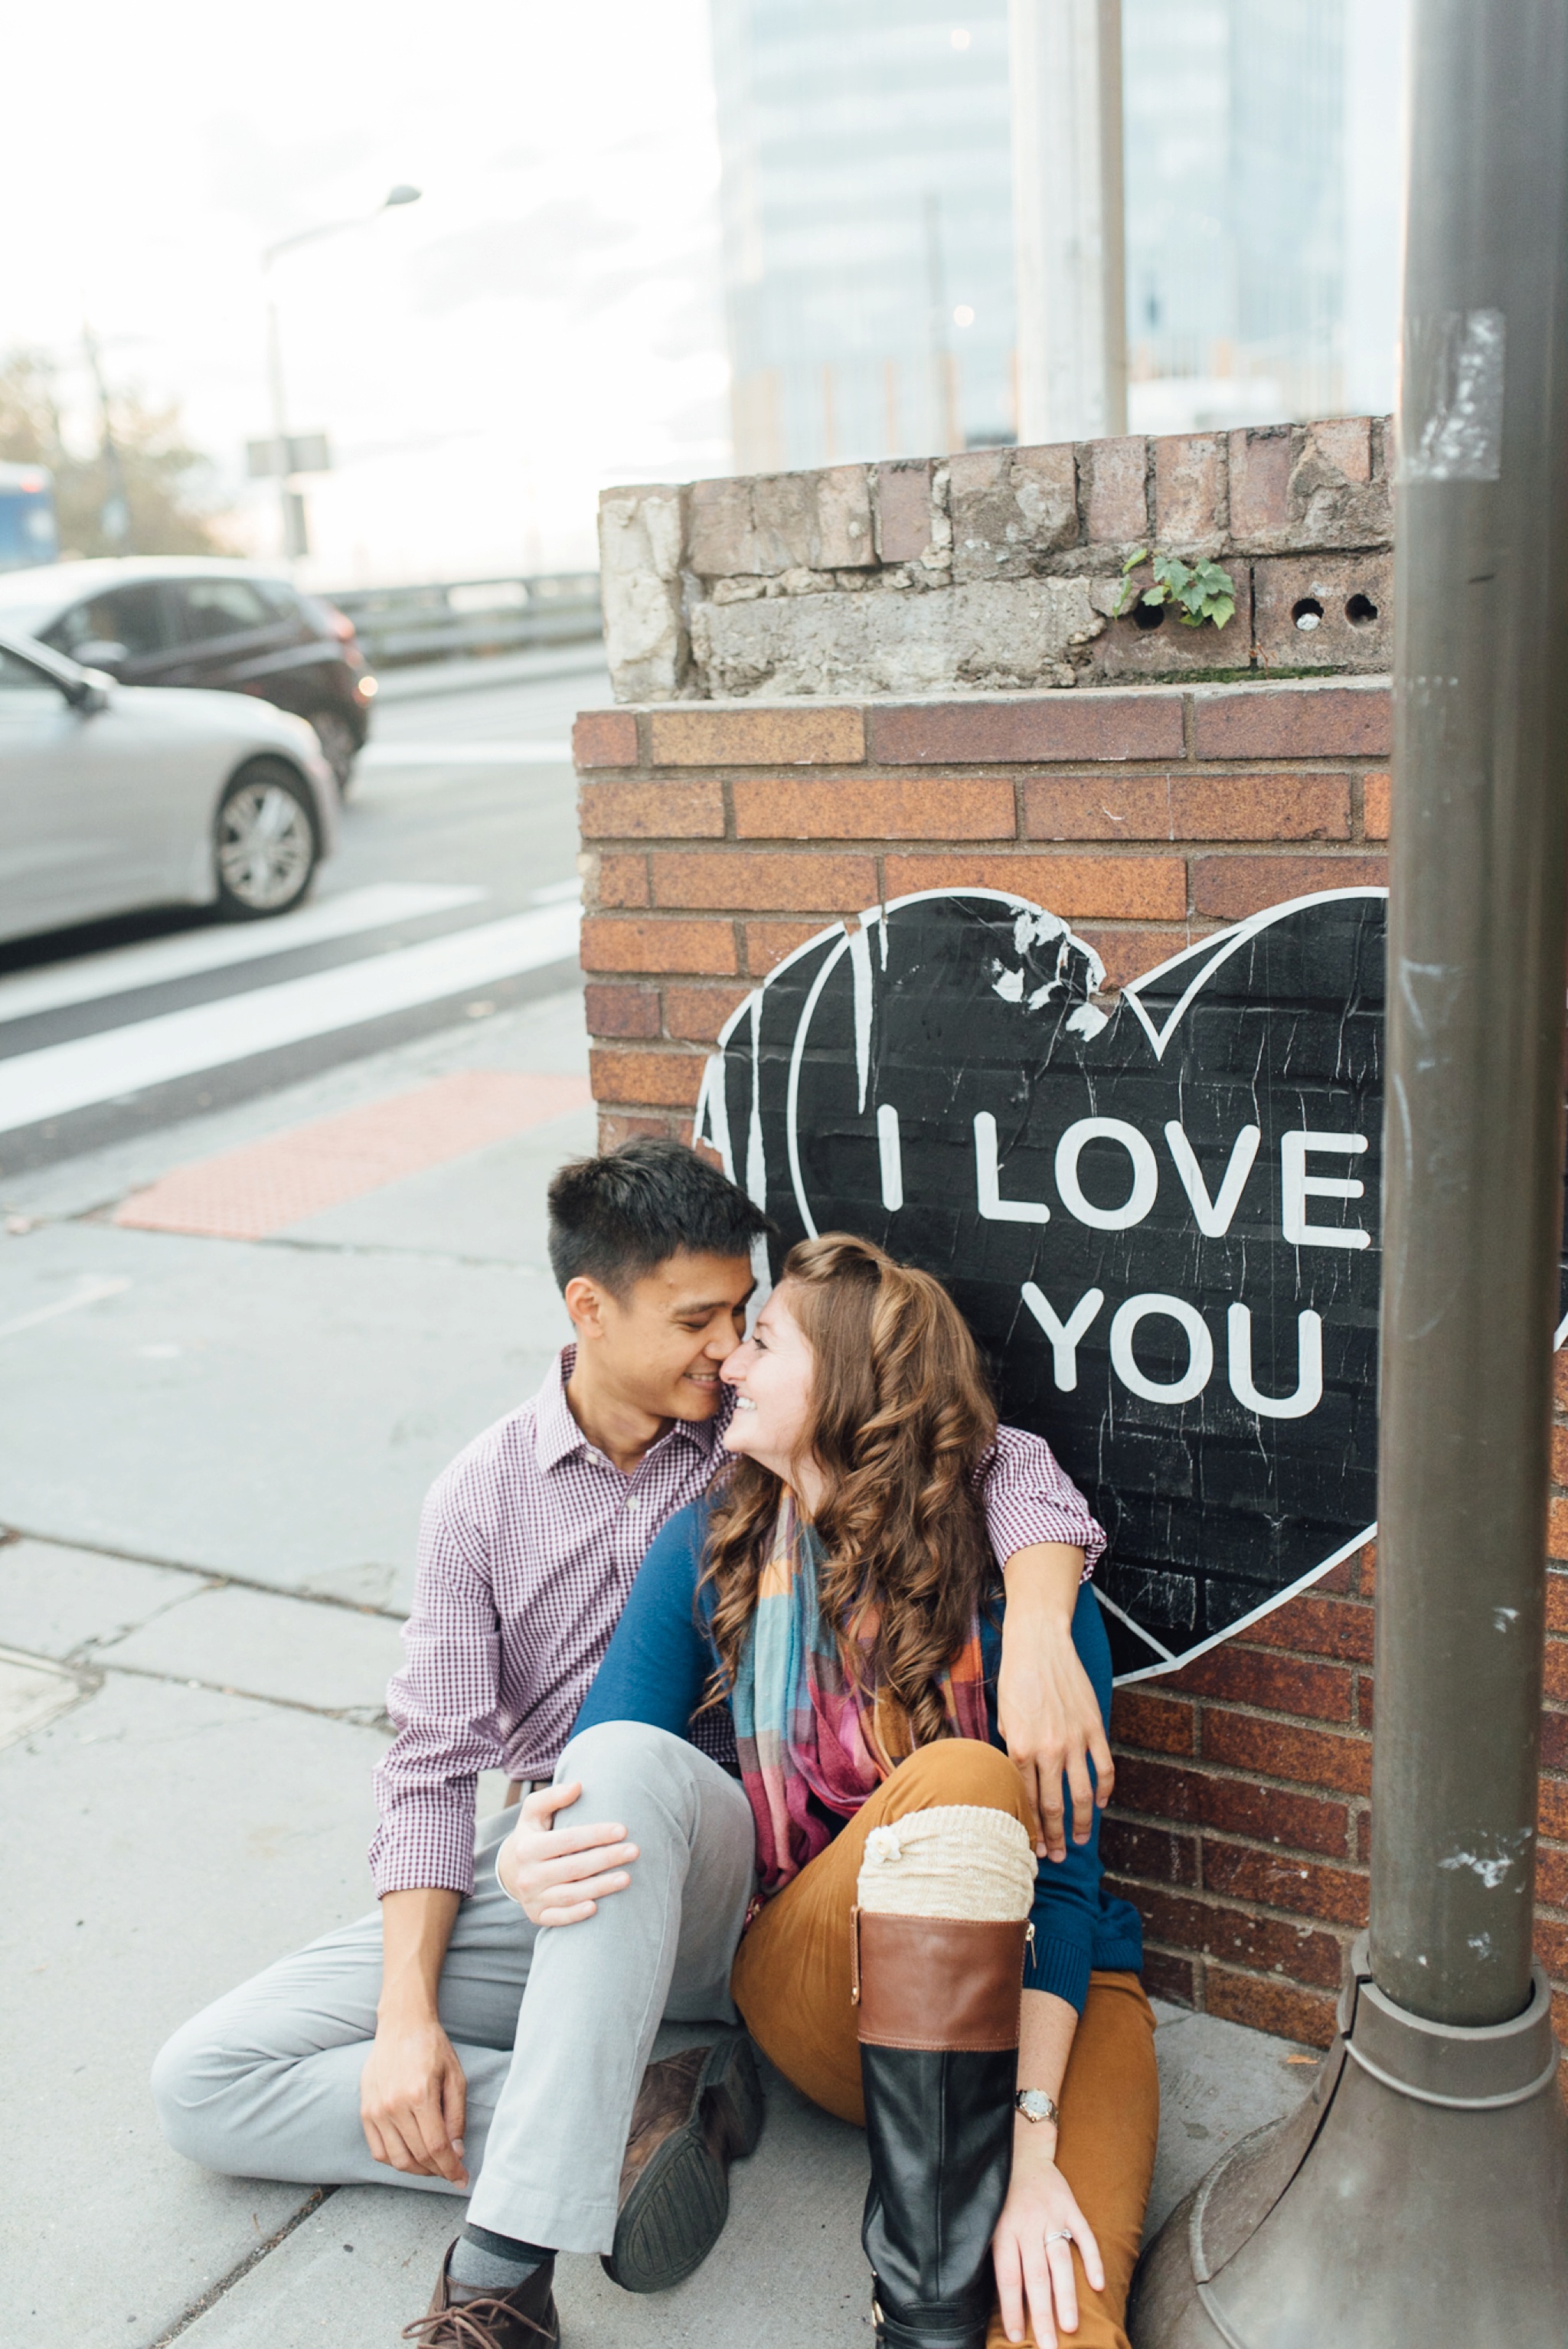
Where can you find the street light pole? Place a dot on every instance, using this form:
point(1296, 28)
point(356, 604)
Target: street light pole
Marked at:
point(288, 511)
point(1420, 2195)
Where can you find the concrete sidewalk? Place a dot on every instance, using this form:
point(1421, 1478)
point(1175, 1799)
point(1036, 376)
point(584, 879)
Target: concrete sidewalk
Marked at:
point(215, 1456)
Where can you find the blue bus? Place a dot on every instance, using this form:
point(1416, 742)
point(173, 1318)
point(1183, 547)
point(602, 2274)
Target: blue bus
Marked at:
point(27, 532)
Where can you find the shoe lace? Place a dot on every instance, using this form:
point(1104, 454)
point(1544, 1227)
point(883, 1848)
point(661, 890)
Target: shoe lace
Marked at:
point(469, 2324)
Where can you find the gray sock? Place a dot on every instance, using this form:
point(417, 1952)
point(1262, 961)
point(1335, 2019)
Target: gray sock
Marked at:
point(484, 2261)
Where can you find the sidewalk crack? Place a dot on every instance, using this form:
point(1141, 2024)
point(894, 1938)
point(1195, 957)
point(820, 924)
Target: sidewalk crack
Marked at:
point(224, 2284)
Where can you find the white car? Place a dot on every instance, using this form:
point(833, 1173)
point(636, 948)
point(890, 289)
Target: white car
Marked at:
point(116, 797)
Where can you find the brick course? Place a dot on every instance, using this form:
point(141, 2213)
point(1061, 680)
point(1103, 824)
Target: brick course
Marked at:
point(1149, 815)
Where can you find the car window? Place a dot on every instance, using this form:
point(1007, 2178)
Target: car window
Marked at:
point(285, 603)
point(131, 616)
point(203, 608)
point(19, 679)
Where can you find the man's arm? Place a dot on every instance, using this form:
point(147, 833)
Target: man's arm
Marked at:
point(1042, 1531)
point(1046, 1705)
point(412, 2095)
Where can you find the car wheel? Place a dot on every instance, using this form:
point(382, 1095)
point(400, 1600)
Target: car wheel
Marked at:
point(265, 843)
point(338, 747)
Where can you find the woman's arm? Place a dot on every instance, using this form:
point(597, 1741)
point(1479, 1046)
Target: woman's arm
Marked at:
point(657, 1663)
point(1040, 2221)
point(653, 1672)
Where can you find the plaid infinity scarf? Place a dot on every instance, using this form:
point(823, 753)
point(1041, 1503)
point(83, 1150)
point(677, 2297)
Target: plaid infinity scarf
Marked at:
point(801, 1727)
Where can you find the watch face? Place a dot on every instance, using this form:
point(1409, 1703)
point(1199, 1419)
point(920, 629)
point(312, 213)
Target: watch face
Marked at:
point(1035, 2104)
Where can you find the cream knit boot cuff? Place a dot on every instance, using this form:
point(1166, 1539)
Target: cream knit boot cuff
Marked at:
point(960, 1860)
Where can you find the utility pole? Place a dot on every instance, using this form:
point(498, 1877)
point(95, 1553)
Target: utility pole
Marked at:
point(1069, 236)
point(290, 503)
point(1421, 2194)
point(114, 515)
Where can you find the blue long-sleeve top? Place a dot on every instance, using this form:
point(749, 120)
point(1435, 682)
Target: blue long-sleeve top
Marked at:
point(657, 1666)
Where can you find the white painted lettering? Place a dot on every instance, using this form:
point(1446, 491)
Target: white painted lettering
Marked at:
point(1298, 1186)
point(891, 1155)
point(1214, 1215)
point(987, 1181)
point(1064, 1335)
point(1200, 1348)
point(1145, 1173)
point(1309, 1367)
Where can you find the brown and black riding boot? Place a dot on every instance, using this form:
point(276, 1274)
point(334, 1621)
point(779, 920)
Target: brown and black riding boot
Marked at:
point(523, 2318)
point(939, 2003)
point(696, 2113)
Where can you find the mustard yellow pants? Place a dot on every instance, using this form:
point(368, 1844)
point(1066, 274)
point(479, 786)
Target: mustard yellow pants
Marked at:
point(792, 1982)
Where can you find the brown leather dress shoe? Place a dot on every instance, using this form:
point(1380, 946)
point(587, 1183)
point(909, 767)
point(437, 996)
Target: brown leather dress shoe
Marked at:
point(524, 2319)
point(696, 2113)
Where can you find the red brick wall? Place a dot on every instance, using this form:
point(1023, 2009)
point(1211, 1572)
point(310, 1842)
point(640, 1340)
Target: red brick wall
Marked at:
point(721, 835)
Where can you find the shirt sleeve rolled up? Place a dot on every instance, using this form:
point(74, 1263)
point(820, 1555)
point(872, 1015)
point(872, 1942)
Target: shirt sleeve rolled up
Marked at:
point(444, 1708)
point(1028, 1498)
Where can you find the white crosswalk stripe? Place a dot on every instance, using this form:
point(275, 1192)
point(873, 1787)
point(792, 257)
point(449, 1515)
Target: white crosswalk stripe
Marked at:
point(120, 1062)
point(156, 960)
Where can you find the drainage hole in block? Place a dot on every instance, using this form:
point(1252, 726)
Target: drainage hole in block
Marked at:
point(1307, 615)
point(1360, 611)
point(1149, 616)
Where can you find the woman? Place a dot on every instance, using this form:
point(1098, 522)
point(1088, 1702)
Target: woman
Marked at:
point(839, 1592)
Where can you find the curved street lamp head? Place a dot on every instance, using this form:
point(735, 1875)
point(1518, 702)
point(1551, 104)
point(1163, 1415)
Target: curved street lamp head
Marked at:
point(401, 194)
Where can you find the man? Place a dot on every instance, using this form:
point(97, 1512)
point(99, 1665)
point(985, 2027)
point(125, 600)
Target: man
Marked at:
point(403, 2046)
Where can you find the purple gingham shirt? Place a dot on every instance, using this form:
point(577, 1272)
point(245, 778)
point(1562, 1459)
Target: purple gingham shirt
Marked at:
point(528, 1546)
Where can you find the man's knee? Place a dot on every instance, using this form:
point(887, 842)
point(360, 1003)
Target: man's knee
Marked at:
point(962, 1770)
point(190, 2075)
point(626, 1756)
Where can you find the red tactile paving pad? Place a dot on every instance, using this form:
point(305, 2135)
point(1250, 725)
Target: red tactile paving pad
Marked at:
point(245, 1195)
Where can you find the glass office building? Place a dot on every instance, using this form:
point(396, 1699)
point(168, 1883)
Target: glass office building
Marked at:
point(868, 246)
point(867, 229)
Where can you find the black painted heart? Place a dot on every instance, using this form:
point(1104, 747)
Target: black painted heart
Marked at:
point(1158, 1210)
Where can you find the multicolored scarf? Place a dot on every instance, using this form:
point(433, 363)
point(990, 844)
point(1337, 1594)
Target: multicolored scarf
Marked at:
point(802, 1727)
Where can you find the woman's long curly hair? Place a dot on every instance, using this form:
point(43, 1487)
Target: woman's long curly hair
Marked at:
point(900, 1418)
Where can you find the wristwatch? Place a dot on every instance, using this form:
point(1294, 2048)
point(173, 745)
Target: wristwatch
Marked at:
point(1035, 2106)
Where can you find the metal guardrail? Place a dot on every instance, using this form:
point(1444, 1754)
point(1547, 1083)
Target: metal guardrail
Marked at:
point(468, 618)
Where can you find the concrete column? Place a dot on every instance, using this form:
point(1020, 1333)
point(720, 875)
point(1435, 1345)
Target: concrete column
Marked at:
point(1068, 219)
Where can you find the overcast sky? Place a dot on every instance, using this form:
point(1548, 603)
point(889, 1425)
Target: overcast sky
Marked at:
point(546, 320)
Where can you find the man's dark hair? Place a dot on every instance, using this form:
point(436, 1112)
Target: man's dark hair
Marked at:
point(614, 1218)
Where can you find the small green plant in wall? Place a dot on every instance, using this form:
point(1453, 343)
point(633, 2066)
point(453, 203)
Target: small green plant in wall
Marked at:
point(1199, 591)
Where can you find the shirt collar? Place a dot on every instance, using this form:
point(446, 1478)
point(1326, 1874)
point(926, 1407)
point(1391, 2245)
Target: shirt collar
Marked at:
point(556, 1435)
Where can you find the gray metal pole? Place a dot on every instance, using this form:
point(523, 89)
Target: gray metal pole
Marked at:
point(1473, 1206)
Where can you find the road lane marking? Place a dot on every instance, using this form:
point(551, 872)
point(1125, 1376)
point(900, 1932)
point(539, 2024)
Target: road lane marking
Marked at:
point(121, 1061)
point(91, 1292)
point(250, 1193)
point(157, 959)
point(466, 754)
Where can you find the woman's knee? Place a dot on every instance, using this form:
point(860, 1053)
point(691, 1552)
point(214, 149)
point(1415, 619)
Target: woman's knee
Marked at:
point(962, 1770)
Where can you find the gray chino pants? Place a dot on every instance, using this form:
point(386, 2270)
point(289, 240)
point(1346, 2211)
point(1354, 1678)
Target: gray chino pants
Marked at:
point(553, 2025)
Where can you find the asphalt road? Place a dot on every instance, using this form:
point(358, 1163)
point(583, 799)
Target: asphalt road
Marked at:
point(461, 819)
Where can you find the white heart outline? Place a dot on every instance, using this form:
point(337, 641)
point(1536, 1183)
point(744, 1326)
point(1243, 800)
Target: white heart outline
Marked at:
point(712, 1110)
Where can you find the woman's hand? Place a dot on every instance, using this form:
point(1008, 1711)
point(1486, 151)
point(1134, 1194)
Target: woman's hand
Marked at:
point(1030, 2249)
point(1046, 1709)
point(558, 1876)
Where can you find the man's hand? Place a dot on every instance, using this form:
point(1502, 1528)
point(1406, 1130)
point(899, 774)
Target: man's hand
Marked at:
point(1046, 1705)
point(413, 2099)
point(558, 1876)
point(1030, 2265)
